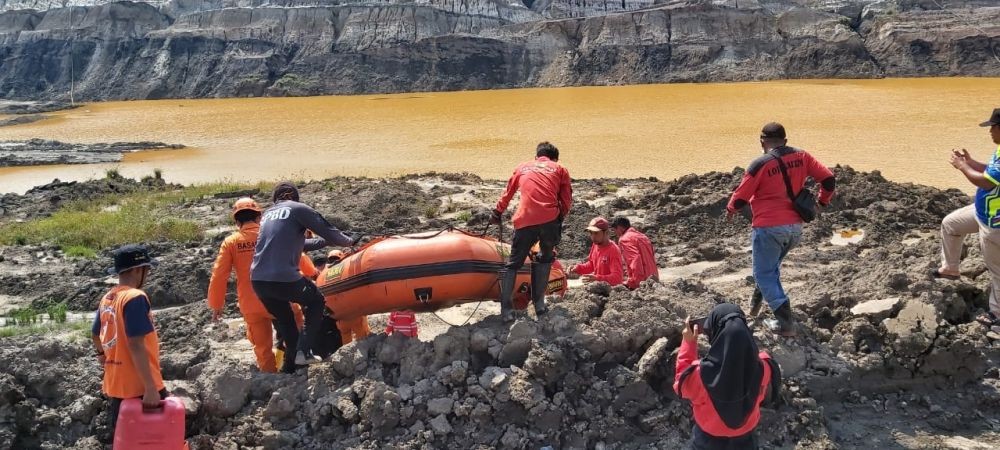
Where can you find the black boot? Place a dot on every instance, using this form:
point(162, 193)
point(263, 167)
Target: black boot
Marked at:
point(756, 302)
point(507, 280)
point(539, 283)
point(785, 324)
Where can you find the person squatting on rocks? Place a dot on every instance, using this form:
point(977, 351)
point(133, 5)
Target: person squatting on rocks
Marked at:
point(275, 274)
point(777, 224)
point(353, 329)
point(727, 387)
point(402, 322)
point(236, 252)
point(125, 338)
point(637, 251)
point(982, 217)
point(604, 263)
point(546, 198)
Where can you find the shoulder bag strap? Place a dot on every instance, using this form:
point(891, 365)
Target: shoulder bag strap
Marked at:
point(784, 174)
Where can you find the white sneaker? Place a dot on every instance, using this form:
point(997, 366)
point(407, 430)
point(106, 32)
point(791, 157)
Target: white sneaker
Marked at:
point(302, 360)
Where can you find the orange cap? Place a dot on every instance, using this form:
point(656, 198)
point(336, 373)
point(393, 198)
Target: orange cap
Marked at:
point(244, 204)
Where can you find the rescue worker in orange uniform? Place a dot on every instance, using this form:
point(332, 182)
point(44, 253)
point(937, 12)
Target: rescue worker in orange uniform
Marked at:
point(125, 337)
point(353, 329)
point(236, 252)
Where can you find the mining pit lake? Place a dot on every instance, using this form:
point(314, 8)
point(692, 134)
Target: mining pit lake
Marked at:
point(902, 127)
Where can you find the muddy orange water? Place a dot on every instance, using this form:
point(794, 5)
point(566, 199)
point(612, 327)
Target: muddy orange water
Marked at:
point(903, 127)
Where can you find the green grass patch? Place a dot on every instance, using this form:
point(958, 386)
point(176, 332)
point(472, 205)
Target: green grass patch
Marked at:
point(85, 227)
point(610, 188)
point(57, 313)
point(464, 216)
point(78, 251)
point(80, 328)
point(23, 317)
point(95, 229)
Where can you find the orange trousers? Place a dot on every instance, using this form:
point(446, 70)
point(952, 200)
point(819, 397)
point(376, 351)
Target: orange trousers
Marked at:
point(353, 329)
point(260, 333)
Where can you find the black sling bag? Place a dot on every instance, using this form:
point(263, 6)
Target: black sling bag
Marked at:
point(805, 202)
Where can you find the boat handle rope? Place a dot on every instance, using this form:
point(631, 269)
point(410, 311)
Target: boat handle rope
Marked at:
point(467, 319)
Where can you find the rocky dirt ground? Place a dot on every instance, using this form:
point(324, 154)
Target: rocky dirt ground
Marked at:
point(888, 358)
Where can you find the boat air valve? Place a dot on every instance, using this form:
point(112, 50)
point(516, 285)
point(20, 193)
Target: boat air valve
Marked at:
point(423, 294)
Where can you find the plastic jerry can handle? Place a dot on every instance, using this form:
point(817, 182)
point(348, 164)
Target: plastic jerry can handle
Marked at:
point(158, 409)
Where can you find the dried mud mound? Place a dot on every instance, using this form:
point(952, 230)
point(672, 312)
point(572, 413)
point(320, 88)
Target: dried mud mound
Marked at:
point(46, 199)
point(596, 370)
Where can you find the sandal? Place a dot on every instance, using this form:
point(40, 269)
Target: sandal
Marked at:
point(937, 274)
point(988, 319)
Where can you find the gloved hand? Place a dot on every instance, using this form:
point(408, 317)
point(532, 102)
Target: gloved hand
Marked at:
point(495, 217)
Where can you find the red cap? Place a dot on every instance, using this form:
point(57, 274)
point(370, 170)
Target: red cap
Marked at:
point(598, 224)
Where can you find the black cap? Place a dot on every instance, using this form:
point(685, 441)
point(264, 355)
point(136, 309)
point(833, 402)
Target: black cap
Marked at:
point(994, 119)
point(773, 130)
point(285, 191)
point(621, 221)
point(131, 256)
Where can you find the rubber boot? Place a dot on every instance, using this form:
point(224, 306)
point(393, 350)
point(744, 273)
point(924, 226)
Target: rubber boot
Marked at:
point(756, 302)
point(539, 283)
point(784, 325)
point(507, 280)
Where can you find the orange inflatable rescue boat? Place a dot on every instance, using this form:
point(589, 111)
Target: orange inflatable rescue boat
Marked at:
point(425, 272)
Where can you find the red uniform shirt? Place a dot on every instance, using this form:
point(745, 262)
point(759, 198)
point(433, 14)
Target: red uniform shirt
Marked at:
point(545, 192)
point(764, 188)
point(604, 262)
point(402, 322)
point(693, 389)
point(640, 259)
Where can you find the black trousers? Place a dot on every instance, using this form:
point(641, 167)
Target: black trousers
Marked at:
point(701, 440)
point(277, 298)
point(115, 405)
point(547, 235)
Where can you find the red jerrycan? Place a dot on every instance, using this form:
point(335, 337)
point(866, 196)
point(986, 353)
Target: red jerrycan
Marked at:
point(155, 429)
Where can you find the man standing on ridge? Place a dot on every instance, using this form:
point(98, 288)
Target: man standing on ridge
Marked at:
point(777, 221)
point(982, 217)
point(275, 275)
point(546, 198)
point(637, 251)
point(125, 338)
point(236, 252)
point(604, 263)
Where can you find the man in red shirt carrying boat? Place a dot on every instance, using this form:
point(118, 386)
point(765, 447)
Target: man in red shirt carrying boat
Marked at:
point(546, 197)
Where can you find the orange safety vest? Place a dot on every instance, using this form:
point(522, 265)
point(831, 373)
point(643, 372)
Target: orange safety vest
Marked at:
point(121, 380)
point(236, 252)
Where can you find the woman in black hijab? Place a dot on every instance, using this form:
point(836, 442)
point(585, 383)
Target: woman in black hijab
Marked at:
point(727, 386)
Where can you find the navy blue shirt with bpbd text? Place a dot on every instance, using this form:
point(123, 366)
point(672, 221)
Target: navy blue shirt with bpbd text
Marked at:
point(282, 240)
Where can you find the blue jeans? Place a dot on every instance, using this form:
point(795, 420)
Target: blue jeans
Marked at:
point(770, 246)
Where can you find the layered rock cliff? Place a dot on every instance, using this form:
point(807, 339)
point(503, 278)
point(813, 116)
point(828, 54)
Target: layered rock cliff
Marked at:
point(222, 48)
